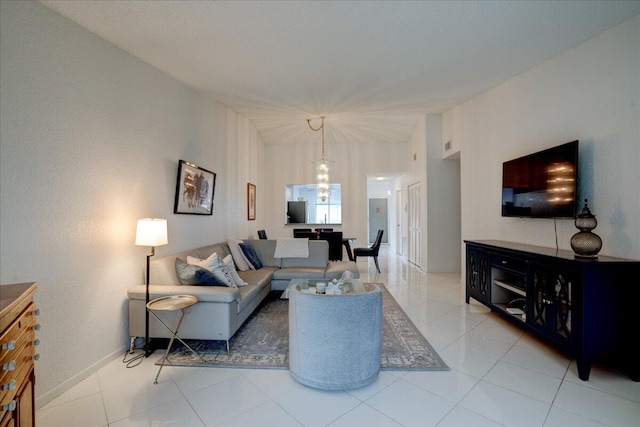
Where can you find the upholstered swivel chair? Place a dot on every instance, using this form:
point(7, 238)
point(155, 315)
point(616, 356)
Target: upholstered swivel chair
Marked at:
point(371, 251)
point(335, 341)
point(262, 234)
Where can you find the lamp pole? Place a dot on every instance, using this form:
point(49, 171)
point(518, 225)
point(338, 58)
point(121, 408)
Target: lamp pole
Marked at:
point(147, 351)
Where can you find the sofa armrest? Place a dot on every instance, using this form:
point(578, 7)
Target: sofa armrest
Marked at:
point(222, 294)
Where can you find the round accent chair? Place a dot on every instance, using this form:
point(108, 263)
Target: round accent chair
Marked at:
point(335, 341)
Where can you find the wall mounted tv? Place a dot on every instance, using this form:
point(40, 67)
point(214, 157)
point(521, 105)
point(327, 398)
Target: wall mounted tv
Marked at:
point(542, 184)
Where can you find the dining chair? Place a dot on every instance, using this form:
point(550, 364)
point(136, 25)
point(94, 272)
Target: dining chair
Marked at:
point(371, 251)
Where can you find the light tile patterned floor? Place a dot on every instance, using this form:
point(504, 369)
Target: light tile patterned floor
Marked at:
point(500, 377)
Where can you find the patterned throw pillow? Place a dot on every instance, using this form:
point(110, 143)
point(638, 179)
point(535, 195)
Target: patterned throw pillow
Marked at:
point(192, 275)
point(239, 259)
point(228, 262)
point(251, 255)
point(214, 264)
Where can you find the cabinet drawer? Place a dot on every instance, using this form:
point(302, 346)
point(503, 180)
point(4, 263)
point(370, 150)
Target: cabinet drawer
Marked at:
point(20, 333)
point(509, 263)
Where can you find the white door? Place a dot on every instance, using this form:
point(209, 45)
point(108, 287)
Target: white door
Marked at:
point(413, 249)
point(399, 218)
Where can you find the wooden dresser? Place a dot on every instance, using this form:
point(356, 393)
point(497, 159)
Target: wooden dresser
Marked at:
point(18, 326)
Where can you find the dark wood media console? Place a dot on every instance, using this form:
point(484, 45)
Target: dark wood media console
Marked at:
point(585, 307)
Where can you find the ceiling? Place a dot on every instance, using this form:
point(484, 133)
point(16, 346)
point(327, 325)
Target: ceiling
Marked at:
point(371, 67)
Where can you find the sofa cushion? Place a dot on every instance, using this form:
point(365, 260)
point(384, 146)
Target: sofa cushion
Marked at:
point(265, 250)
point(194, 275)
point(299, 273)
point(261, 278)
point(251, 255)
point(318, 256)
point(222, 249)
point(242, 263)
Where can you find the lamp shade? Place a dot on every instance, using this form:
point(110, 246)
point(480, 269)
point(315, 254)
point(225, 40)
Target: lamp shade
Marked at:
point(151, 232)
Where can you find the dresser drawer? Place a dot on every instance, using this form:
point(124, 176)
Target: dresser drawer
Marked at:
point(509, 263)
point(18, 334)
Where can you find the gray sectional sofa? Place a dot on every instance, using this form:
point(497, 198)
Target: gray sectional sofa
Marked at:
point(222, 310)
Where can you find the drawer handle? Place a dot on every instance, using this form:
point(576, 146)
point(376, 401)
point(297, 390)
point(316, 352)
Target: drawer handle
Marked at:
point(36, 327)
point(9, 345)
point(9, 366)
point(35, 357)
point(505, 262)
point(35, 343)
point(9, 386)
point(36, 312)
point(11, 406)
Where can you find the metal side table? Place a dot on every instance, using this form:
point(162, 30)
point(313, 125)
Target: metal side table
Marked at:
point(172, 303)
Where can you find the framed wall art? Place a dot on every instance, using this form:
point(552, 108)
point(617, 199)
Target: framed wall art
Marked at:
point(194, 190)
point(251, 202)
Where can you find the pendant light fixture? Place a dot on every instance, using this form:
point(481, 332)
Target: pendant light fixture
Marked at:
point(322, 165)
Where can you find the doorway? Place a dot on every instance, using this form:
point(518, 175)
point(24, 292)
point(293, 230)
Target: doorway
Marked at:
point(399, 221)
point(413, 247)
point(378, 219)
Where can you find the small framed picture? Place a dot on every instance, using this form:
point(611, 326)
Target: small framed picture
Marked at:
point(194, 190)
point(251, 202)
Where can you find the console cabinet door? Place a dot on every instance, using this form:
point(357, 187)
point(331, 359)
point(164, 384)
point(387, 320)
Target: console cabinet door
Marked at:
point(478, 272)
point(551, 302)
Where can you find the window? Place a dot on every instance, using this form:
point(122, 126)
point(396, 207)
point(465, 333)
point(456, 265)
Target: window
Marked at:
point(304, 206)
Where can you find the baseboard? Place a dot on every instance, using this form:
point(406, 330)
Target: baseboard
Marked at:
point(49, 396)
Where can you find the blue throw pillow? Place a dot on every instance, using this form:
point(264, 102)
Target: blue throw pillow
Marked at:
point(192, 275)
point(251, 255)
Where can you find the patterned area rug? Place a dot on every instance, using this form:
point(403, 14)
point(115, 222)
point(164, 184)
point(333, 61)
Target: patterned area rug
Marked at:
point(263, 341)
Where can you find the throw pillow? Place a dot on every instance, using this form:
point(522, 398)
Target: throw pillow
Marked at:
point(192, 275)
point(215, 265)
point(251, 255)
point(207, 263)
point(228, 262)
point(238, 256)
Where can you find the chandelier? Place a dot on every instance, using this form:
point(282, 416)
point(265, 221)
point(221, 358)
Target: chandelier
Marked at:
point(322, 168)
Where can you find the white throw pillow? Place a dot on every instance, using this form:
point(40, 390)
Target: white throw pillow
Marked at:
point(228, 262)
point(214, 264)
point(239, 258)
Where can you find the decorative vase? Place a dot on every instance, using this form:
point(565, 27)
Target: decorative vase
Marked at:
point(585, 243)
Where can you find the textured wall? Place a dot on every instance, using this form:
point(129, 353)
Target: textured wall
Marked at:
point(90, 141)
point(291, 164)
point(590, 93)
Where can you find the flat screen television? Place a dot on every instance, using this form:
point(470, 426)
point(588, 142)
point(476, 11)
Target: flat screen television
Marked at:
point(542, 184)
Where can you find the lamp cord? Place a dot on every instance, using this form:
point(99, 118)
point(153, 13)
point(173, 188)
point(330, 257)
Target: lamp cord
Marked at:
point(134, 360)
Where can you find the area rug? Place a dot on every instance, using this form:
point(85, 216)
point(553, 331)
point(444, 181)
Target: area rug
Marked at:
point(263, 341)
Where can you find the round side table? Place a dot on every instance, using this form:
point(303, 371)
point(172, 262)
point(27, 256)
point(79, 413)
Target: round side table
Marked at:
point(172, 303)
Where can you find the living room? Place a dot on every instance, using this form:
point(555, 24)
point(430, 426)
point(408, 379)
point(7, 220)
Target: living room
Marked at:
point(100, 133)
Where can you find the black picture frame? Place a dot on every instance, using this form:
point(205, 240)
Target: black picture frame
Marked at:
point(195, 188)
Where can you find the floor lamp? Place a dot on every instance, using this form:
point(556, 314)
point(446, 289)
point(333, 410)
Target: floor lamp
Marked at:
point(150, 232)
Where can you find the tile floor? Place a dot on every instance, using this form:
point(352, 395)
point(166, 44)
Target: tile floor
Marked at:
point(499, 376)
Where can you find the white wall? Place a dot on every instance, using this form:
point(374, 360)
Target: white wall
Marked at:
point(590, 93)
point(439, 181)
point(90, 140)
point(442, 241)
point(291, 164)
